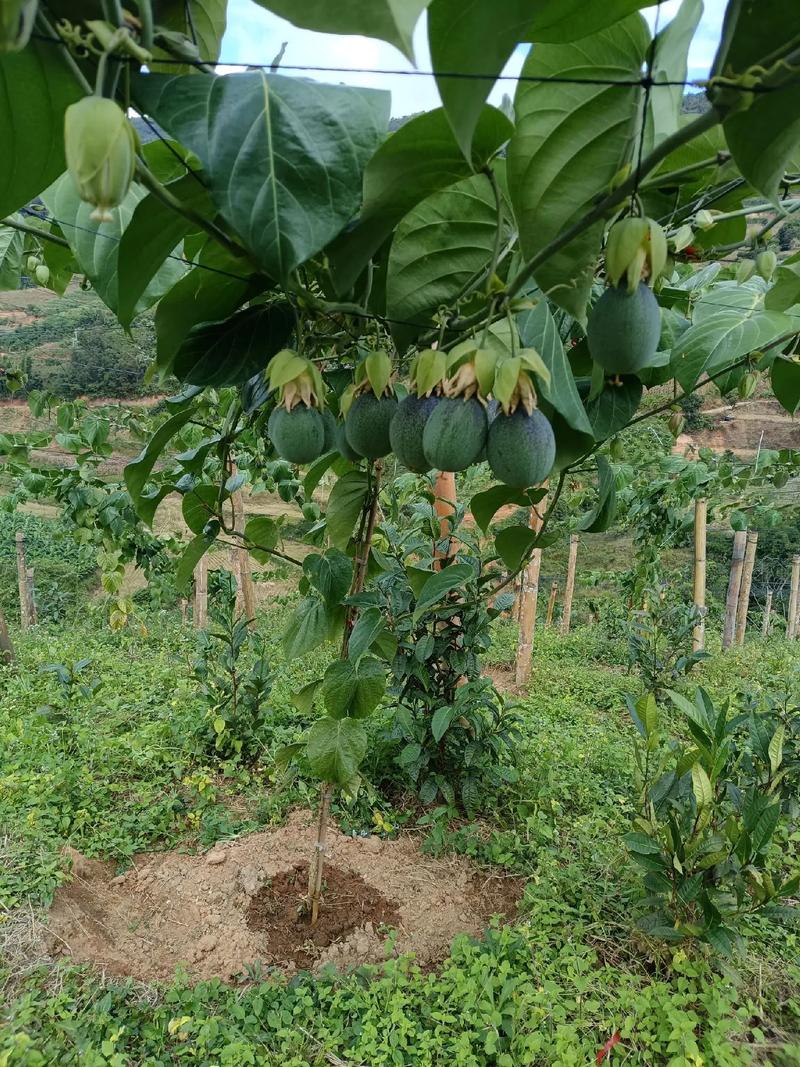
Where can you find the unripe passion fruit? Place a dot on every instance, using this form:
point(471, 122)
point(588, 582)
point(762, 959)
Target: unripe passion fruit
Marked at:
point(367, 424)
point(407, 428)
point(521, 448)
point(455, 434)
point(298, 435)
point(624, 329)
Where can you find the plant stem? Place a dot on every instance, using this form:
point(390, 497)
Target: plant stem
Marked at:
point(318, 860)
point(673, 175)
point(66, 55)
point(21, 226)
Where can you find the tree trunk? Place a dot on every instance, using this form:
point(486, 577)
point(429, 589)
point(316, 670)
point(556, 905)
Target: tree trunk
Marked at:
point(747, 581)
point(569, 589)
point(444, 492)
point(318, 859)
point(551, 603)
point(6, 646)
point(794, 597)
point(766, 622)
point(528, 600)
point(201, 594)
point(246, 591)
point(699, 595)
point(22, 583)
point(734, 585)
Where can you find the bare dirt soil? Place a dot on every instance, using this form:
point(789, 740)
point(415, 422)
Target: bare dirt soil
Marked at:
point(237, 905)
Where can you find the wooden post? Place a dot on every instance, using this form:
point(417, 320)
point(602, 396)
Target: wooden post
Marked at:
point(747, 581)
point(551, 603)
point(765, 624)
point(22, 583)
point(734, 585)
point(528, 600)
point(569, 588)
point(201, 594)
point(517, 598)
point(30, 587)
point(699, 594)
point(246, 595)
point(6, 647)
point(444, 503)
point(794, 597)
point(184, 610)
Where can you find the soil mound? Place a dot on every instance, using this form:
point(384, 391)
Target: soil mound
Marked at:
point(237, 906)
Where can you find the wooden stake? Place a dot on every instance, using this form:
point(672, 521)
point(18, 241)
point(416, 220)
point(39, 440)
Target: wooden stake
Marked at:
point(747, 581)
point(569, 589)
point(551, 603)
point(22, 583)
point(184, 610)
point(734, 585)
point(6, 646)
point(699, 594)
point(528, 600)
point(444, 492)
point(794, 597)
point(246, 595)
point(30, 588)
point(766, 622)
point(201, 594)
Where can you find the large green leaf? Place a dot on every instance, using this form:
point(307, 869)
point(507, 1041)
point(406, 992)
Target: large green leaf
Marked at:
point(200, 20)
point(138, 470)
point(231, 351)
point(154, 232)
point(388, 20)
point(422, 157)
point(283, 157)
point(614, 408)
point(336, 748)
point(570, 143)
point(440, 584)
point(438, 247)
point(353, 690)
point(96, 245)
point(344, 506)
point(36, 87)
point(785, 291)
point(601, 517)
point(11, 245)
point(192, 554)
point(785, 375)
point(311, 625)
point(472, 37)
point(670, 51)
point(559, 21)
point(537, 329)
point(484, 506)
point(331, 575)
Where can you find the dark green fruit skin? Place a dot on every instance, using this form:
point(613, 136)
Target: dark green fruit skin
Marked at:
point(624, 329)
point(407, 428)
point(329, 429)
point(455, 434)
point(298, 435)
point(367, 425)
point(521, 448)
point(341, 444)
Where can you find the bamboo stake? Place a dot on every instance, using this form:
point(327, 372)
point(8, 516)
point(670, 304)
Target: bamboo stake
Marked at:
point(734, 585)
point(699, 593)
point(201, 594)
point(246, 594)
point(528, 600)
point(765, 624)
point(444, 502)
point(794, 596)
point(22, 583)
point(569, 589)
point(6, 646)
point(747, 581)
point(551, 603)
point(30, 588)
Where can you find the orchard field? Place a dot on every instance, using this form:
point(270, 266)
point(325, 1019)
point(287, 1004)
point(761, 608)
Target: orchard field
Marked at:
point(400, 537)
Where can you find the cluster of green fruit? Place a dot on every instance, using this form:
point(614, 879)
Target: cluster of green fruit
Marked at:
point(461, 408)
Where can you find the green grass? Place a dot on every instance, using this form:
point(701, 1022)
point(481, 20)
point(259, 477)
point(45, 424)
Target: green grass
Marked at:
point(130, 773)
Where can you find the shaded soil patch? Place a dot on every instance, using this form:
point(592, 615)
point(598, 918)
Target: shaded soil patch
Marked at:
point(219, 913)
point(348, 903)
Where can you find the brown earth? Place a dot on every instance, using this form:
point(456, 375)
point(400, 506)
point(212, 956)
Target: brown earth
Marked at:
point(237, 905)
point(743, 428)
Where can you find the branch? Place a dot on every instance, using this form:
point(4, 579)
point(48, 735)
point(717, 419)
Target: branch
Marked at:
point(45, 235)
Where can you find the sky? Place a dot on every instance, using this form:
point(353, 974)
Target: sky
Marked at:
point(254, 35)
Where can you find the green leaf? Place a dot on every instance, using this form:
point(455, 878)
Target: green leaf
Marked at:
point(785, 290)
point(537, 329)
point(775, 750)
point(366, 630)
point(153, 233)
point(192, 555)
point(472, 38)
point(12, 243)
point(283, 157)
point(635, 841)
point(262, 533)
point(202, 21)
point(388, 20)
point(512, 543)
point(311, 625)
point(304, 699)
point(370, 687)
point(210, 292)
point(440, 584)
point(570, 143)
point(604, 512)
point(331, 575)
point(614, 407)
point(765, 827)
point(353, 690)
point(559, 21)
point(344, 507)
point(200, 505)
point(138, 470)
point(336, 748)
point(96, 245)
point(233, 350)
point(339, 687)
point(670, 52)
point(441, 244)
point(701, 787)
point(785, 377)
point(422, 157)
point(484, 506)
point(440, 723)
point(36, 87)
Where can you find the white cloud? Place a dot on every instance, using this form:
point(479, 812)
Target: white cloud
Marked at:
point(255, 36)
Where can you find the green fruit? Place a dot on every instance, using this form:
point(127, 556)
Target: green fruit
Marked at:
point(342, 445)
point(521, 448)
point(623, 330)
point(455, 434)
point(406, 431)
point(367, 425)
point(100, 146)
point(298, 435)
point(329, 429)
